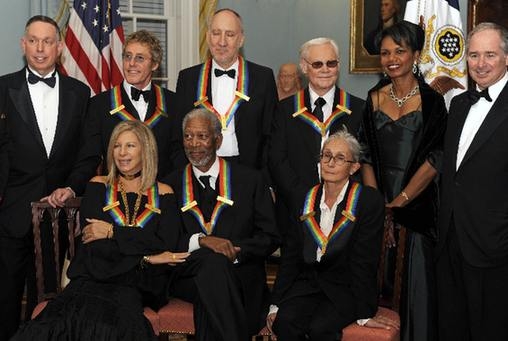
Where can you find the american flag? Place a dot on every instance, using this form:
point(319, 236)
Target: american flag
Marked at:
point(93, 44)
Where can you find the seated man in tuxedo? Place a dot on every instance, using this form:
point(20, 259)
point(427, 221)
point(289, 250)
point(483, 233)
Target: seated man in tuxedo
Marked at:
point(229, 228)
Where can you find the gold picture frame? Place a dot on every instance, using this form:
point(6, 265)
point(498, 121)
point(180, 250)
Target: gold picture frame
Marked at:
point(360, 61)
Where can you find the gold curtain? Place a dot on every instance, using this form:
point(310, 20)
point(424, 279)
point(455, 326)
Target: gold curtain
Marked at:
point(206, 9)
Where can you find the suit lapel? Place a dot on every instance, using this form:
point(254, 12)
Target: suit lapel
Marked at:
point(497, 114)
point(19, 94)
point(455, 125)
point(309, 134)
point(66, 112)
point(126, 100)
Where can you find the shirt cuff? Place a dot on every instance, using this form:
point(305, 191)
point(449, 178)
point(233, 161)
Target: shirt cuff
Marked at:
point(194, 241)
point(273, 309)
point(72, 191)
point(362, 322)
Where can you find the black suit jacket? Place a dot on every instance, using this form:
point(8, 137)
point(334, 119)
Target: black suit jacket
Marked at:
point(347, 271)
point(475, 197)
point(166, 131)
point(28, 174)
point(249, 224)
point(252, 119)
point(295, 146)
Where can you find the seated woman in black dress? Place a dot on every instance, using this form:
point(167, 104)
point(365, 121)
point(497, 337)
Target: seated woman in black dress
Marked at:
point(327, 276)
point(127, 217)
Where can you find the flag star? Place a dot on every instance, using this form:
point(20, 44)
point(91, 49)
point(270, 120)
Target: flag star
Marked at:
point(95, 22)
point(105, 28)
point(118, 11)
point(83, 5)
point(96, 8)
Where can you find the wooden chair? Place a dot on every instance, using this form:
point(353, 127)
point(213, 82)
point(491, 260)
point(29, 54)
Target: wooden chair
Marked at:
point(71, 210)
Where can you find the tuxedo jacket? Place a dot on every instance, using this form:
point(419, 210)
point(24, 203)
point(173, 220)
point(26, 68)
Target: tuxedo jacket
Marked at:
point(295, 145)
point(249, 223)
point(252, 119)
point(475, 196)
point(346, 273)
point(27, 173)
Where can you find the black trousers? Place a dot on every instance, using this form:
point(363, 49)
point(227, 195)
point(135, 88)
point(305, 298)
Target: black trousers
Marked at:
point(472, 301)
point(207, 279)
point(310, 317)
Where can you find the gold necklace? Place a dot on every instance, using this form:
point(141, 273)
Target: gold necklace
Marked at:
point(130, 222)
point(400, 101)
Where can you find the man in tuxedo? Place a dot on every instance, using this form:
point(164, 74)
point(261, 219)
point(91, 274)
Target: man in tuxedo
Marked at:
point(42, 147)
point(303, 121)
point(229, 228)
point(472, 253)
point(138, 98)
point(242, 94)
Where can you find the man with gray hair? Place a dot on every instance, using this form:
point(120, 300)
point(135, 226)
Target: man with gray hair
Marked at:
point(229, 228)
point(472, 251)
point(303, 121)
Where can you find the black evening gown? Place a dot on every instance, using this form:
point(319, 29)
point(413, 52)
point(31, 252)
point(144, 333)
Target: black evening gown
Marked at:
point(104, 300)
point(397, 148)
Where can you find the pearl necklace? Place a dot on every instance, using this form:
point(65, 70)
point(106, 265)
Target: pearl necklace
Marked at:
point(400, 101)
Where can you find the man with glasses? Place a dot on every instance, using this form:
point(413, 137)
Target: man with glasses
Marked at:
point(242, 94)
point(139, 98)
point(42, 116)
point(303, 121)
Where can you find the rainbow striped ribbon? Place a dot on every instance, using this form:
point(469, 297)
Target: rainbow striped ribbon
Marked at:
point(223, 199)
point(118, 108)
point(113, 206)
point(348, 216)
point(241, 93)
point(321, 128)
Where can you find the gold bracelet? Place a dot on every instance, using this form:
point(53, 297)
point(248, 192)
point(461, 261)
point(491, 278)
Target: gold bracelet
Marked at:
point(404, 195)
point(146, 260)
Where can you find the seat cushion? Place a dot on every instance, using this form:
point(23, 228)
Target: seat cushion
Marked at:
point(354, 332)
point(153, 317)
point(177, 317)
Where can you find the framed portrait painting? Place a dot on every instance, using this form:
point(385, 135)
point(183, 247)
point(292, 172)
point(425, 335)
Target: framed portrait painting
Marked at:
point(368, 17)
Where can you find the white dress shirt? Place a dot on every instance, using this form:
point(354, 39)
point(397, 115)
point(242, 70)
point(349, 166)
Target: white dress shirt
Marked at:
point(214, 174)
point(45, 100)
point(327, 112)
point(223, 94)
point(477, 114)
point(140, 105)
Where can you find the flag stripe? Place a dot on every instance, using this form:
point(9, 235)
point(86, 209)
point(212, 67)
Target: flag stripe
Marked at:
point(93, 44)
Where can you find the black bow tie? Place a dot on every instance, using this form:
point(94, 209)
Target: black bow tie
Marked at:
point(474, 95)
point(33, 79)
point(231, 73)
point(135, 93)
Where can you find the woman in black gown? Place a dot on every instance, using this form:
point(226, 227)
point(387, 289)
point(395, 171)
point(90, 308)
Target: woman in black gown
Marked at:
point(403, 128)
point(127, 217)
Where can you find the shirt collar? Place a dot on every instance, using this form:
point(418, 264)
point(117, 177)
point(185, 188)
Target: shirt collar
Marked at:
point(328, 97)
point(340, 197)
point(127, 87)
point(232, 67)
point(496, 88)
point(49, 75)
point(213, 171)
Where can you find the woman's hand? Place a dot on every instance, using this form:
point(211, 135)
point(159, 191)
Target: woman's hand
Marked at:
point(269, 323)
point(383, 323)
point(169, 258)
point(96, 229)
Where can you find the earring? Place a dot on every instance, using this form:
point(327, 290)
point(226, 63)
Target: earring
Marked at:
point(415, 68)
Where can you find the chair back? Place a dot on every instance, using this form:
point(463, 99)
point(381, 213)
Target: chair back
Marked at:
point(70, 210)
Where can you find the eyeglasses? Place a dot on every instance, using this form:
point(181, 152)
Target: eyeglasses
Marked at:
point(338, 159)
point(319, 64)
point(36, 42)
point(138, 59)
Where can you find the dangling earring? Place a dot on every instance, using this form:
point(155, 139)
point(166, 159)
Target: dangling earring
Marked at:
point(415, 68)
